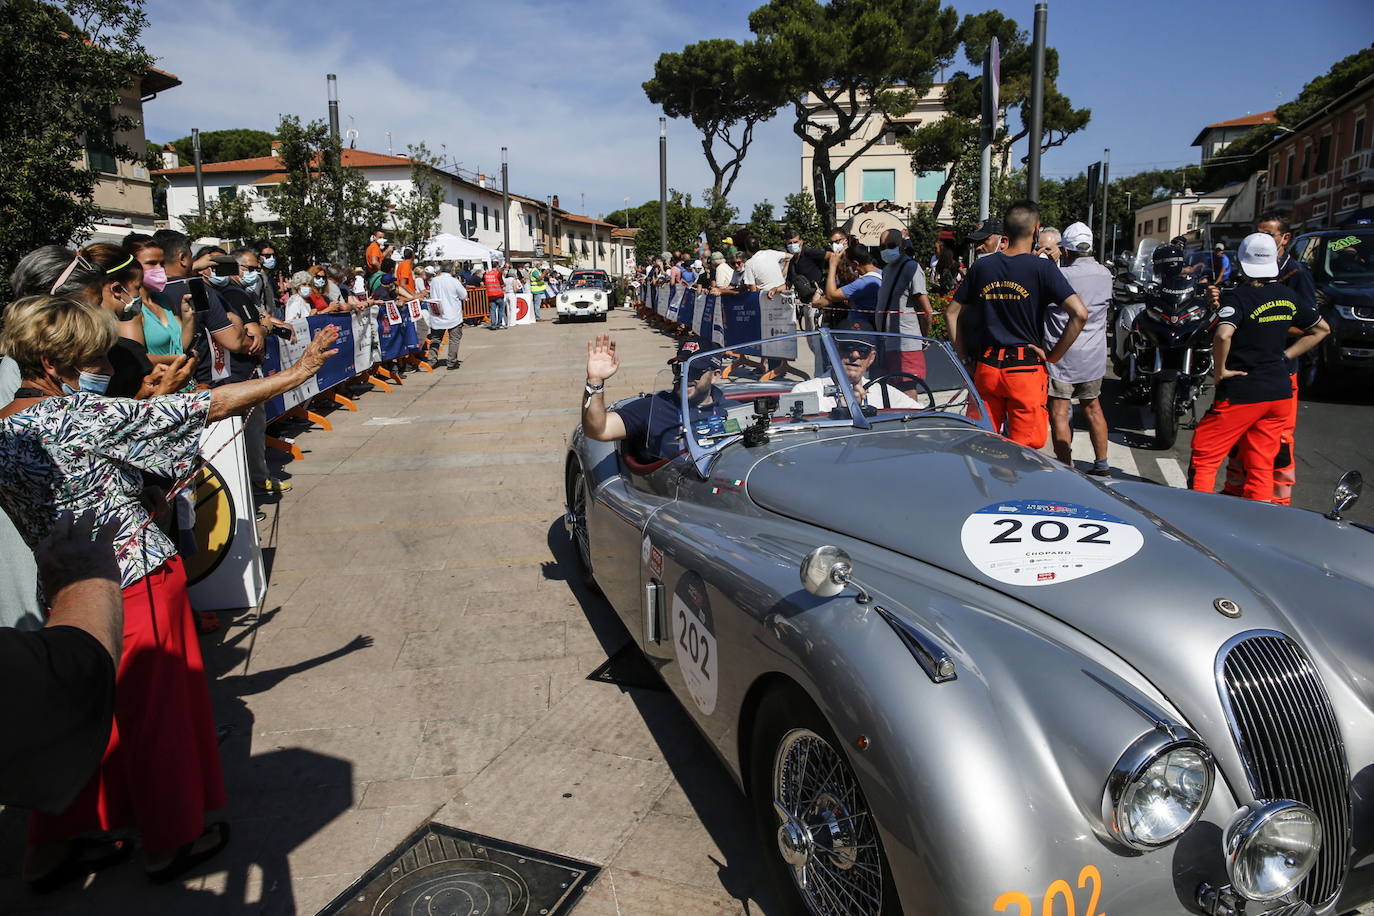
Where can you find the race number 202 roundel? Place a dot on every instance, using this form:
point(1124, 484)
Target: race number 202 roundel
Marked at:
point(1041, 542)
point(694, 640)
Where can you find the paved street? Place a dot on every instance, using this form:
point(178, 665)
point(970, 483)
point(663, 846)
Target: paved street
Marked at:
point(422, 654)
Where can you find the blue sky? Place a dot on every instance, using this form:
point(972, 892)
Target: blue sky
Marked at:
point(559, 82)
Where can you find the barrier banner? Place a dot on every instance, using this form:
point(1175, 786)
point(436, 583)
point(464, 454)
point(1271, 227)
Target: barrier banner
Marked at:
point(742, 320)
point(661, 300)
point(687, 308)
point(778, 316)
point(365, 346)
point(338, 368)
point(521, 310)
point(226, 570)
point(710, 328)
point(674, 300)
point(391, 337)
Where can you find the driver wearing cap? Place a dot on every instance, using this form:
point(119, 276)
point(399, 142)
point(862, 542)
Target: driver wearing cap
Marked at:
point(652, 424)
point(856, 356)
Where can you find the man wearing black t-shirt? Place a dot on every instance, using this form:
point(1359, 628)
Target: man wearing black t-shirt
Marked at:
point(1007, 296)
point(1251, 353)
point(1294, 275)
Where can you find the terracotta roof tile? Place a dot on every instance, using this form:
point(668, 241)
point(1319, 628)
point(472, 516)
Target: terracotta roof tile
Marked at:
point(355, 158)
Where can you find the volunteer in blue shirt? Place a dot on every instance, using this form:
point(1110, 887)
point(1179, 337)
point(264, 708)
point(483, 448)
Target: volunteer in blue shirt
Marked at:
point(1008, 296)
point(861, 293)
point(650, 425)
point(1251, 352)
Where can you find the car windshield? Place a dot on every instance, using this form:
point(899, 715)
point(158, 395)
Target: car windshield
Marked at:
point(1351, 256)
point(583, 280)
point(799, 383)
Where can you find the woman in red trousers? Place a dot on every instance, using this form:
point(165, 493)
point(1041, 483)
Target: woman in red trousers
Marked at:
point(64, 446)
point(1251, 350)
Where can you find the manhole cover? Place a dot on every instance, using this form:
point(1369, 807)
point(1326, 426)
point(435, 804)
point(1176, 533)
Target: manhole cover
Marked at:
point(628, 668)
point(442, 871)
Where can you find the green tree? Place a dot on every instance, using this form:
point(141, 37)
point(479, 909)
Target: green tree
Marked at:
point(226, 145)
point(718, 217)
point(936, 146)
point(765, 226)
point(799, 213)
point(225, 218)
point(65, 64)
point(924, 231)
point(416, 212)
point(714, 84)
point(849, 68)
point(324, 205)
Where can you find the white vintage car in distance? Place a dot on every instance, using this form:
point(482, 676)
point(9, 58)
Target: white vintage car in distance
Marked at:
point(586, 294)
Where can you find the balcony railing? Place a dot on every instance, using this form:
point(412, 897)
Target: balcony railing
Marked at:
point(1358, 168)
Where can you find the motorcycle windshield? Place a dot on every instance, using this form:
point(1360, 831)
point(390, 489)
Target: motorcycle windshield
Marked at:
point(1143, 266)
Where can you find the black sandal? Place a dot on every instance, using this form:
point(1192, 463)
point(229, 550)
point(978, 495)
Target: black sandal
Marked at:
point(186, 859)
point(85, 855)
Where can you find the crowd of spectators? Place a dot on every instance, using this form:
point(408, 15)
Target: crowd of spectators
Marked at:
point(115, 357)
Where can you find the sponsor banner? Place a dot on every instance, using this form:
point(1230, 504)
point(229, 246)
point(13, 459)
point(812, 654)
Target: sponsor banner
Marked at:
point(741, 320)
point(521, 310)
point(660, 300)
point(226, 570)
point(778, 316)
point(674, 301)
point(706, 318)
point(687, 308)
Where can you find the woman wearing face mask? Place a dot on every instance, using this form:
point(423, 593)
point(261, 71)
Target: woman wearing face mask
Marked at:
point(299, 304)
point(63, 447)
point(164, 333)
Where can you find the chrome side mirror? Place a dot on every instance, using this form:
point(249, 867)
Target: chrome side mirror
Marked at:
point(827, 571)
point(1346, 494)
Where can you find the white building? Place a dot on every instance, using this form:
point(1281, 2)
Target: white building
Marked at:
point(883, 172)
point(471, 209)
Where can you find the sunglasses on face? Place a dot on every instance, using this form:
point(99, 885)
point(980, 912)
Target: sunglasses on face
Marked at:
point(861, 350)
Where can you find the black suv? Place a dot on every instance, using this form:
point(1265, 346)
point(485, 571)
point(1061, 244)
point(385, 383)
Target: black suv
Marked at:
point(1342, 265)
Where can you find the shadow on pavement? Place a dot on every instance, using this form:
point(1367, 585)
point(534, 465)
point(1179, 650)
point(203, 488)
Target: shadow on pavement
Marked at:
point(715, 798)
point(278, 800)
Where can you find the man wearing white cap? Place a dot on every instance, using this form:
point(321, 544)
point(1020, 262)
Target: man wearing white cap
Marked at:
point(1078, 374)
point(1251, 350)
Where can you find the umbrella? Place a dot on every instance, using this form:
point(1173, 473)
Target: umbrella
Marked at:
point(447, 247)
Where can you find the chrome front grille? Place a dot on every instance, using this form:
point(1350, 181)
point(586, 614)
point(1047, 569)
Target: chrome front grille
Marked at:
point(1286, 730)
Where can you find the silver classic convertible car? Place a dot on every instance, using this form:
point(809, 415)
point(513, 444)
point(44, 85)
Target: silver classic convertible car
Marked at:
point(956, 677)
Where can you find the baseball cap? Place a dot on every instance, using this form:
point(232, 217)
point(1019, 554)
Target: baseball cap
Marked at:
point(691, 348)
point(728, 241)
point(1077, 237)
point(1218, 247)
point(1259, 256)
point(388, 278)
point(986, 228)
point(429, 269)
point(717, 257)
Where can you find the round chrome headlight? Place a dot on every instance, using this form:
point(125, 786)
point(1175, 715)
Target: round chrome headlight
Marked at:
point(597, 297)
point(1270, 849)
point(1157, 789)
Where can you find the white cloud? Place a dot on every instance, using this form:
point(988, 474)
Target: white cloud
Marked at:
point(559, 84)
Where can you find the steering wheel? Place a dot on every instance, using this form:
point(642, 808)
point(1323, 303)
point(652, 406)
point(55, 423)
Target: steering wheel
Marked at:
point(905, 375)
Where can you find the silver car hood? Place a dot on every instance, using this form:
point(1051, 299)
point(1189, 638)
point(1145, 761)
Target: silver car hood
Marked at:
point(866, 485)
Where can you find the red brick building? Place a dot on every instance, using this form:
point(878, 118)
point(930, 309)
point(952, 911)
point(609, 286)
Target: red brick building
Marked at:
point(1321, 171)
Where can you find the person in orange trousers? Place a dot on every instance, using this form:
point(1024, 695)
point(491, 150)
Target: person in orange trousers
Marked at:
point(1294, 275)
point(1007, 296)
point(1254, 391)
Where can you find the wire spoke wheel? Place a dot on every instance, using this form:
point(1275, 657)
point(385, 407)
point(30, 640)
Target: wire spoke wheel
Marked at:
point(825, 833)
point(579, 522)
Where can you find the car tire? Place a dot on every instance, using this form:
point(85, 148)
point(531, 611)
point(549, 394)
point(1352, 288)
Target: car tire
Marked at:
point(821, 827)
point(1166, 418)
point(1314, 372)
point(578, 504)
point(602, 316)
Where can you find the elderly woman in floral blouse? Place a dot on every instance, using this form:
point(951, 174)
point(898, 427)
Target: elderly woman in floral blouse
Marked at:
point(65, 446)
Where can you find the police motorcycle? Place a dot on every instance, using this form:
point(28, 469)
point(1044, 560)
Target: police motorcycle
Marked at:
point(1164, 353)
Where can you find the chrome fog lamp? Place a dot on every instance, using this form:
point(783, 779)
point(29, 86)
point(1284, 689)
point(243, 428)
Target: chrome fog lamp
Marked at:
point(826, 571)
point(597, 297)
point(1158, 788)
point(1271, 848)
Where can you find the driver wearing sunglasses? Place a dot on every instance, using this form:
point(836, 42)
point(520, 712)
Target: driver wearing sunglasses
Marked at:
point(857, 354)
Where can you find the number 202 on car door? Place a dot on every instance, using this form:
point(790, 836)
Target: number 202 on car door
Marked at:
point(694, 640)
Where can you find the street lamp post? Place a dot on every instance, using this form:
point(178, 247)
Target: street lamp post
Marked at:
point(1037, 111)
point(336, 145)
point(200, 179)
point(1102, 239)
point(505, 204)
point(663, 183)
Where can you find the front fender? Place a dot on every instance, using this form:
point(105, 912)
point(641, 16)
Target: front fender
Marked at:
point(990, 786)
